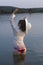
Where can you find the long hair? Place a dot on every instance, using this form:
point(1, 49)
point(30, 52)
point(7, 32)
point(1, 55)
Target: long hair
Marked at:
point(22, 25)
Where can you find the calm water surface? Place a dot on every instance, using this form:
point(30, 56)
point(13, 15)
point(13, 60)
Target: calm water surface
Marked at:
point(33, 41)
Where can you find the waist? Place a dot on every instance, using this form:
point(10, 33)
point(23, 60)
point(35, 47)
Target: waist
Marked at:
point(18, 38)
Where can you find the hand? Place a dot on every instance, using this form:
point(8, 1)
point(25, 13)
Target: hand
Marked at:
point(15, 11)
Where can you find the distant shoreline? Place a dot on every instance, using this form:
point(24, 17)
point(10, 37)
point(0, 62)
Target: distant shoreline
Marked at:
point(10, 9)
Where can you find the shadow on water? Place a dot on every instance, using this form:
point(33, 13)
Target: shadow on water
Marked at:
point(19, 59)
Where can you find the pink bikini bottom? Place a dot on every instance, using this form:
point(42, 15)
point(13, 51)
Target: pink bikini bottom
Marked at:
point(20, 50)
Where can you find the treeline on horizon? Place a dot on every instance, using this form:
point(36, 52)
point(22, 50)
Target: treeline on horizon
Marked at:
point(9, 10)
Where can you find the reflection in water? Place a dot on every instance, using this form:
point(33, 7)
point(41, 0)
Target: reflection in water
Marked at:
point(19, 59)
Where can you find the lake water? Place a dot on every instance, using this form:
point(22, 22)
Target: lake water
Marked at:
point(33, 40)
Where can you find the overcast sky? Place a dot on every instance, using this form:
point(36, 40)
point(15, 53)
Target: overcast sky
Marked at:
point(22, 3)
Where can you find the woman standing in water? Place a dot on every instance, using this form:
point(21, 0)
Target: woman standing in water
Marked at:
point(19, 31)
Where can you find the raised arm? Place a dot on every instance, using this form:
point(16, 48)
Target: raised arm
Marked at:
point(12, 20)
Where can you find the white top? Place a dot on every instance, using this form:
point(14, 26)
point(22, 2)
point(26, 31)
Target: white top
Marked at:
point(18, 34)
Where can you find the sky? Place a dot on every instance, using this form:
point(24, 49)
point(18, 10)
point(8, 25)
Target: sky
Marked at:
point(22, 3)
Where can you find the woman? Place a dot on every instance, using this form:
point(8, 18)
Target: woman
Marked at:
point(19, 31)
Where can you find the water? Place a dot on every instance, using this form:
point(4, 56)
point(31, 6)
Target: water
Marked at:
point(33, 41)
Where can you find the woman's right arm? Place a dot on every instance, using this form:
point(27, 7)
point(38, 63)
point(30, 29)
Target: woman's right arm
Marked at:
point(12, 20)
